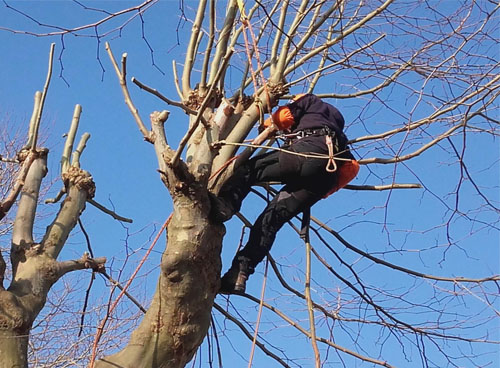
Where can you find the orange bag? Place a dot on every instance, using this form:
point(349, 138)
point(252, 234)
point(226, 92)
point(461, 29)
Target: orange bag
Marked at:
point(346, 173)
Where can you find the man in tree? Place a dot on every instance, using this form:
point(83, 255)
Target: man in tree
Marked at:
point(314, 163)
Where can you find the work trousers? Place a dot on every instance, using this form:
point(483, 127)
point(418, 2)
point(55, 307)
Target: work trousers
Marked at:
point(305, 180)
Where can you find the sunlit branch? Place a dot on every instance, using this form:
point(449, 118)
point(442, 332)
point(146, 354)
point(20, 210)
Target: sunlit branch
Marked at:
point(313, 28)
point(413, 154)
point(164, 98)
point(279, 34)
point(291, 56)
point(36, 126)
point(33, 119)
point(321, 64)
point(81, 264)
point(121, 74)
point(77, 153)
point(208, 49)
point(191, 48)
point(176, 80)
point(339, 62)
point(194, 125)
point(70, 139)
point(109, 212)
point(222, 42)
point(285, 47)
point(382, 187)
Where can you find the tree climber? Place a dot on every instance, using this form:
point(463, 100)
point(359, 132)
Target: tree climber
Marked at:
point(314, 162)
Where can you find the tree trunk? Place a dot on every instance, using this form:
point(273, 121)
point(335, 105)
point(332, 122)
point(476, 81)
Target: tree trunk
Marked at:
point(13, 334)
point(179, 316)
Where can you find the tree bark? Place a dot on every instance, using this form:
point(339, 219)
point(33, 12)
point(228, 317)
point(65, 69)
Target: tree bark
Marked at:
point(14, 332)
point(179, 316)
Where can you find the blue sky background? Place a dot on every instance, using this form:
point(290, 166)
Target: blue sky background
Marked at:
point(124, 169)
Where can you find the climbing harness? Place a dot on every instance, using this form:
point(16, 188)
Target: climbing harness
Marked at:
point(330, 140)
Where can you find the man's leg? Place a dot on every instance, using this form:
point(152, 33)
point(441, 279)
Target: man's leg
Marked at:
point(261, 168)
point(287, 204)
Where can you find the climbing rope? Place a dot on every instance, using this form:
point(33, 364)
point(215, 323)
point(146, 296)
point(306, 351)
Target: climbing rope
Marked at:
point(248, 25)
point(331, 155)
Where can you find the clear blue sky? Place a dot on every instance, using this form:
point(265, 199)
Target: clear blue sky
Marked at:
point(124, 169)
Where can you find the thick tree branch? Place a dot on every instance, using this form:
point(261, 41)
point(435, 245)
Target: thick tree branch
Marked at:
point(201, 110)
point(22, 233)
point(84, 263)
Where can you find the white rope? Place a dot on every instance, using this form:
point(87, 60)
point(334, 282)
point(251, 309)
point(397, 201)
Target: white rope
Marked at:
point(301, 154)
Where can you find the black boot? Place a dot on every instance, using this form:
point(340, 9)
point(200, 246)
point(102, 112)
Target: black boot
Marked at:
point(234, 280)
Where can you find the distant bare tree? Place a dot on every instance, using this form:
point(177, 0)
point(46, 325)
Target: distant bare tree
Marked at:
point(33, 264)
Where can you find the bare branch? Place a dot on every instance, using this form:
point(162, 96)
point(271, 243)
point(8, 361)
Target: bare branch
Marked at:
point(75, 157)
point(399, 268)
point(191, 48)
point(122, 77)
point(6, 205)
point(163, 98)
point(83, 263)
point(42, 99)
point(382, 187)
point(249, 335)
point(109, 212)
point(70, 140)
point(201, 110)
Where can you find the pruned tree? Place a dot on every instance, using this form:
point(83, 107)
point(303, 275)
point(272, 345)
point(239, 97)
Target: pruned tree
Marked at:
point(430, 68)
point(33, 264)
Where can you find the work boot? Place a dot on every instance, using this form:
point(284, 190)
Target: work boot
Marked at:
point(234, 280)
point(221, 210)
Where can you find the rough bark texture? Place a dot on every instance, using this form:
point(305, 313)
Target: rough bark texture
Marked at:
point(34, 265)
point(14, 330)
point(179, 316)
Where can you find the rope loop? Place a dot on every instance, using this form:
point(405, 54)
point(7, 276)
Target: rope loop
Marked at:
point(331, 165)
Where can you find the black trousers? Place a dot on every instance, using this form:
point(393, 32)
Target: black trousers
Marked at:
point(305, 180)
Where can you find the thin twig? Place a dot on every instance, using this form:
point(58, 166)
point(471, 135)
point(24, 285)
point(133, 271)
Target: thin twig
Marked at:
point(249, 335)
point(155, 92)
point(109, 212)
point(399, 268)
point(125, 292)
